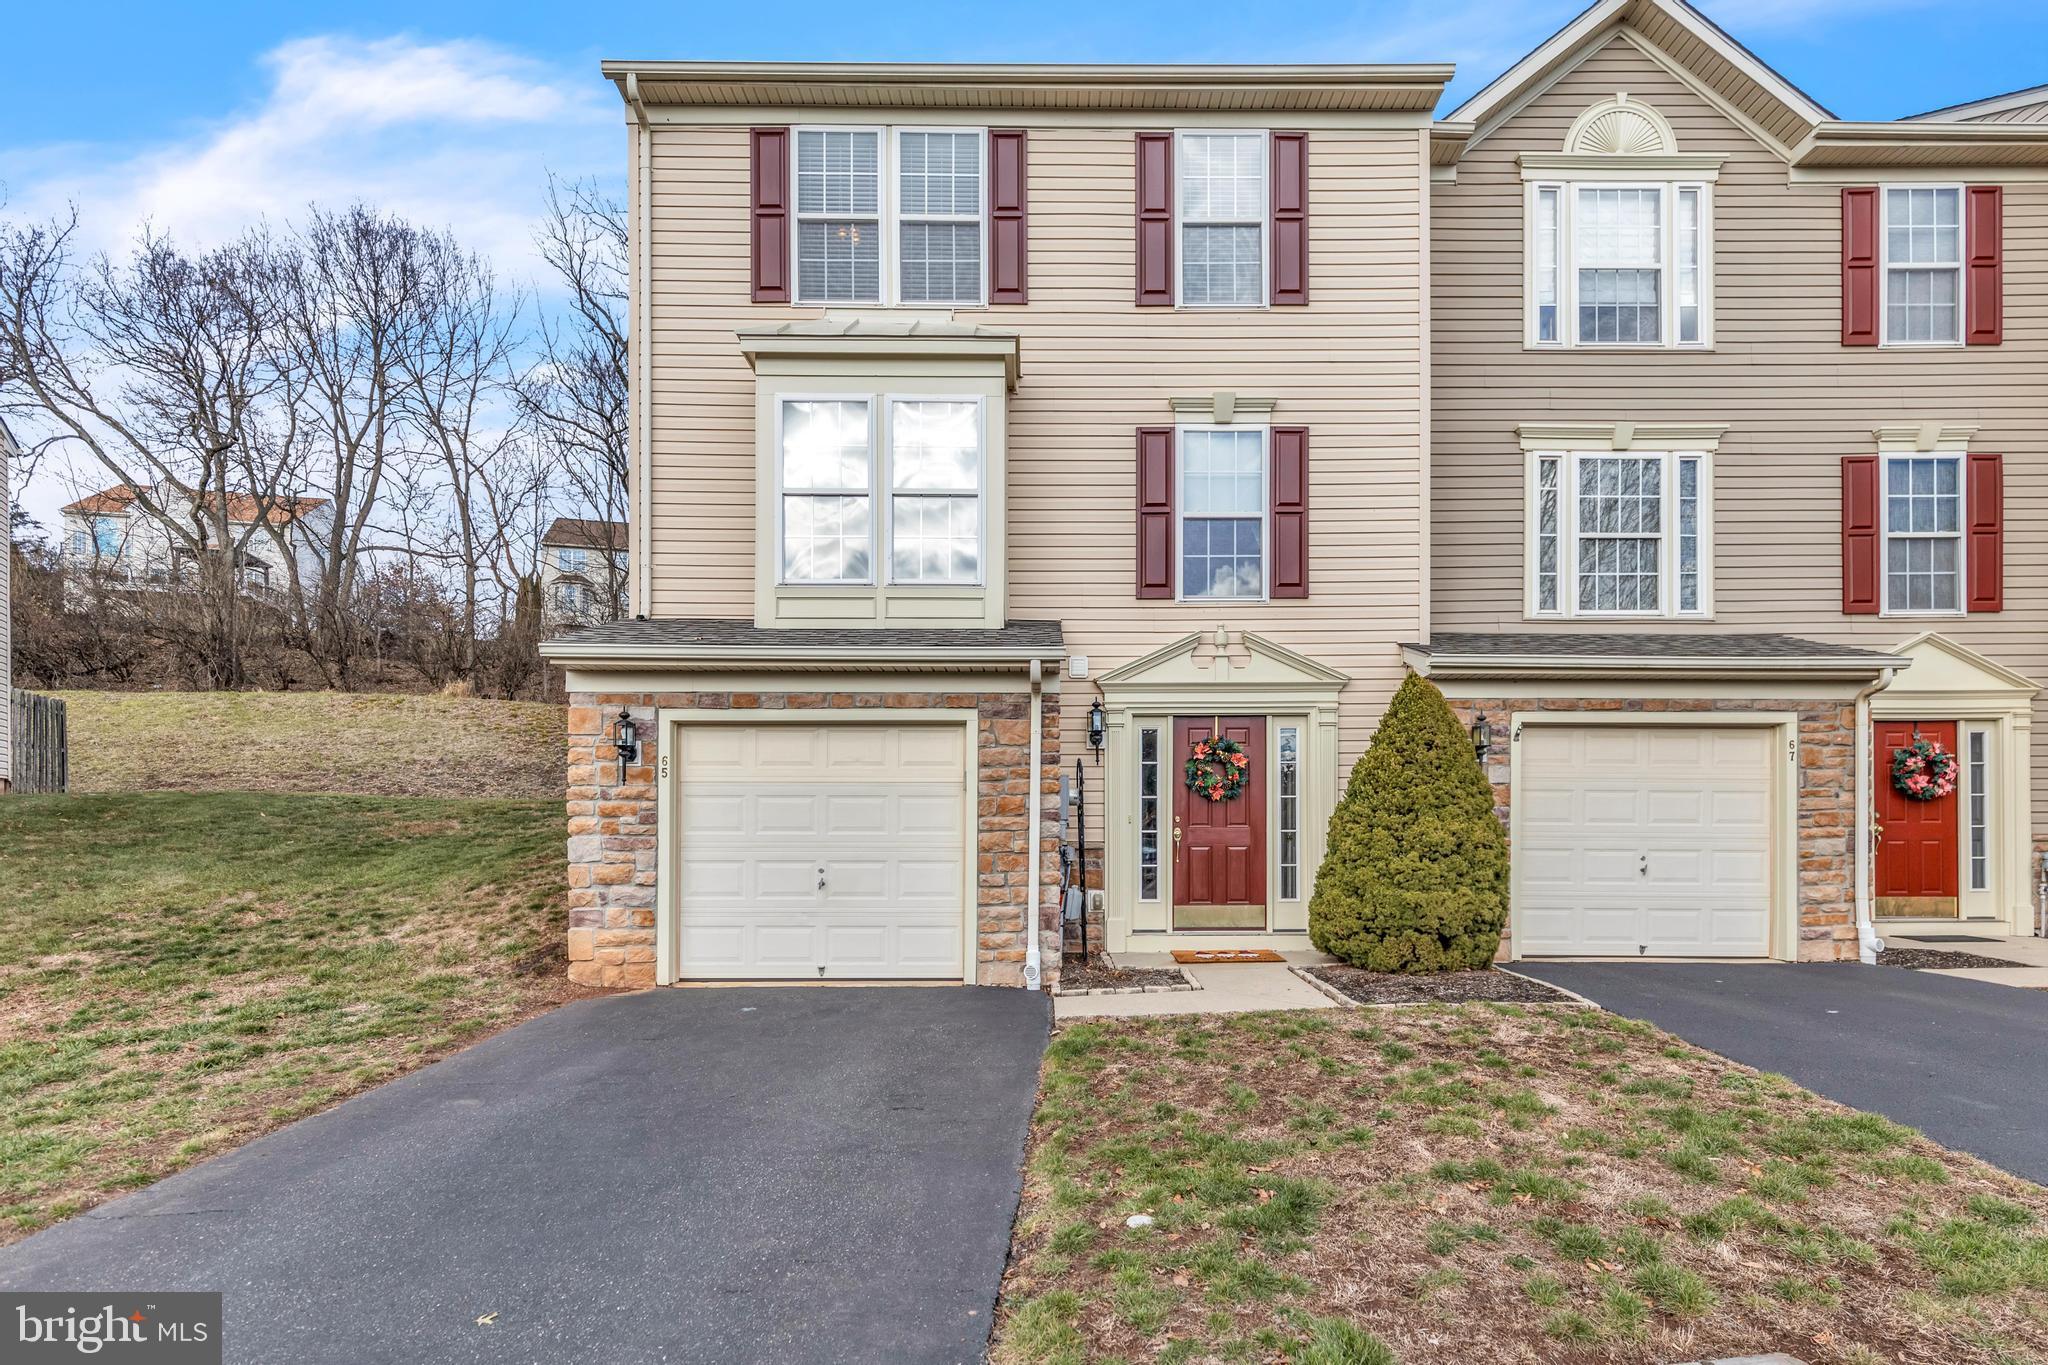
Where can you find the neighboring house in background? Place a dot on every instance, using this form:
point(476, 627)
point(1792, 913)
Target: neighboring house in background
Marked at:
point(106, 536)
point(1669, 424)
point(583, 572)
point(9, 449)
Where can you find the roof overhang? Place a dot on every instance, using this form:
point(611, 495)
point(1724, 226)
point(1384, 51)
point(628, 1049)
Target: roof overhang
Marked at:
point(1394, 87)
point(1928, 144)
point(1988, 107)
point(840, 337)
point(602, 657)
point(1856, 667)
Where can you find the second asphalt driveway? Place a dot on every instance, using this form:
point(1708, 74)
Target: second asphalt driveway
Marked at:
point(1965, 1062)
point(712, 1175)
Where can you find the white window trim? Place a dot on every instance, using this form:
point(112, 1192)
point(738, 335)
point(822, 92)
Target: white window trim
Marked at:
point(1567, 608)
point(1884, 269)
point(885, 525)
point(782, 575)
point(889, 221)
point(1884, 534)
point(1568, 270)
point(1265, 217)
point(1180, 513)
point(881, 490)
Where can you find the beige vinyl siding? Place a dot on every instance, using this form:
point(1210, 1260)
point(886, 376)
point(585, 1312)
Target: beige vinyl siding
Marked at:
point(1094, 368)
point(1795, 398)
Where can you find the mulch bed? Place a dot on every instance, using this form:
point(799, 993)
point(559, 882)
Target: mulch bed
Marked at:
point(1401, 988)
point(1922, 959)
point(1095, 976)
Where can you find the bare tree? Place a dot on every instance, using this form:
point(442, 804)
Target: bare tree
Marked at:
point(347, 287)
point(576, 393)
point(458, 400)
point(155, 368)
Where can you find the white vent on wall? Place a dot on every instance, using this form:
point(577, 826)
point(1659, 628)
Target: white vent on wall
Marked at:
point(1620, 127)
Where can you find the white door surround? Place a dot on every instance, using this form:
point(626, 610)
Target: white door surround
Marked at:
point(1949, 681)
point(1612, 858)
point(791, 841)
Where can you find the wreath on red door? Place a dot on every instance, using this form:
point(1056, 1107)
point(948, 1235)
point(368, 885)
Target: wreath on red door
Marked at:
point(1923, 771)
point(1217, 768)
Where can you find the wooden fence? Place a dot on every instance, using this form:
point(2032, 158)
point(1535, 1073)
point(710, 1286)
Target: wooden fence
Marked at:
point(41, 754)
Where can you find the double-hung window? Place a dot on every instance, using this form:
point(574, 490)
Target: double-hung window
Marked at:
point(889, 216)
point(1620, 533)
point(1923, 534)
point(1223, 502)
point(1923, 265)
point(1618, 264)
point(935, 506)
point(573, 560)
point(1221, 206)
point(932, 463)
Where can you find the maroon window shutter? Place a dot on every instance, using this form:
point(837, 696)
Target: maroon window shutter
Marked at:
point(1290, 219)
point(1155, 221)
point(1860, 586)
point(1155, 512)
point(1008, 274)
point(1859, 268)
point(1984, 272)
point(769, 178)
point(1290, 511)
point(1984, 490)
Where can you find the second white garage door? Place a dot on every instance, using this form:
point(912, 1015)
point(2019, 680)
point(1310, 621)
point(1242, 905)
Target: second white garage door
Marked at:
point(813, 852)
point(1650, 841)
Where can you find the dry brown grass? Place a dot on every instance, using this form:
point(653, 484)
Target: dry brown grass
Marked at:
point(1493, 1183)
point(354, 743)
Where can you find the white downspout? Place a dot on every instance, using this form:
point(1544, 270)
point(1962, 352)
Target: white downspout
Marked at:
point(1868, 944)
point(640, 388)
point(1033, 802)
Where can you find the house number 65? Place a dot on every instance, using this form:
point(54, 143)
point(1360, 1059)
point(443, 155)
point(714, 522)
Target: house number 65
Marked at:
point(664, 767)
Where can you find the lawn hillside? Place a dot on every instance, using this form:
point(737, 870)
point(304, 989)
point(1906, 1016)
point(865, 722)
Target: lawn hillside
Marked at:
point(362, 743)
point(1494, 1183)
point(181, 971)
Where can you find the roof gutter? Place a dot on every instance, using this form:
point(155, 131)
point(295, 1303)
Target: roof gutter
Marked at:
point(1828, 668)
point(571, 653)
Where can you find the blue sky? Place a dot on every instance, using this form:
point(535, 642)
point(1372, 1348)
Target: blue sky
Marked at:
point(201, 118)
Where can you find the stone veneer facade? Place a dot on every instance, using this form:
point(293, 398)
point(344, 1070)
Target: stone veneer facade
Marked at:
point(612, 824)
point(1826, 812)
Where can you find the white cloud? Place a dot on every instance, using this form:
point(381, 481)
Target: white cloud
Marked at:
point(458, 135)
point(453, 134)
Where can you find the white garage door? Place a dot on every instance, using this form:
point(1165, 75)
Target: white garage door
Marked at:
point(1647, 841)
point(822, 851)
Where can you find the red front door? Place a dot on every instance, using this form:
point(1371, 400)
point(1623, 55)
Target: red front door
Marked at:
point(1219, 847)
point(1919, 857)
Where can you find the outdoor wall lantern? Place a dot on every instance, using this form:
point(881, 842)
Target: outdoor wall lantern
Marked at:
point(1095, 728)
point(626, 739)
point(1482, 738)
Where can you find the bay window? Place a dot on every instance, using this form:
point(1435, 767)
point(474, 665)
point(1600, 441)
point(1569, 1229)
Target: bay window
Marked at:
point(1221, 206)
point(1618, 533)
point(889, 216)
point(1614, 264)
point(931, 461)
point(1923, 534)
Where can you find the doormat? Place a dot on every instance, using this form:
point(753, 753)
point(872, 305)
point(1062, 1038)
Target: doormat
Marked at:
point(1945, 938)
point(1201, 956)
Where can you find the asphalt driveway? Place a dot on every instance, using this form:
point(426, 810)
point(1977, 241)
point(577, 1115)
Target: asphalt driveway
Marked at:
point(706, 1175)
point(1965, 1062)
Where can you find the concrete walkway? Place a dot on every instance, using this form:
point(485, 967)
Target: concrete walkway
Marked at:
point(2029, 956)
point(1227, 988)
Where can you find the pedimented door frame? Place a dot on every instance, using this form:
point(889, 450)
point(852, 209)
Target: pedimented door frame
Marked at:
point(1238, 675)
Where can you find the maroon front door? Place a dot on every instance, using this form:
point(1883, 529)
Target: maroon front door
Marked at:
point(1919, 857)
point(1219, 847)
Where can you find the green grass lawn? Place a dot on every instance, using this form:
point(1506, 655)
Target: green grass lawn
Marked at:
point(179, 972)
point(1503, 1184)
point(365, 743)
